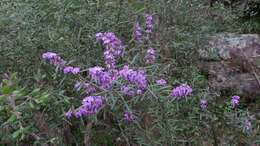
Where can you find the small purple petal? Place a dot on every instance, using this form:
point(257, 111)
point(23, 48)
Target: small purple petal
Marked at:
point(128, 117)
point(203, 104)
point(161, 82)
point(235, 101)
point(67, 69)
point(150, 56)
point(75, 70)
point(181, 91)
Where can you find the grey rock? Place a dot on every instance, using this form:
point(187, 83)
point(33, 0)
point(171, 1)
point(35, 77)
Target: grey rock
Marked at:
point(232, 62)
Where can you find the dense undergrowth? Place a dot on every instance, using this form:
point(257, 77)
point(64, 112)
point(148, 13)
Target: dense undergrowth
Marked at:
point(46, 100)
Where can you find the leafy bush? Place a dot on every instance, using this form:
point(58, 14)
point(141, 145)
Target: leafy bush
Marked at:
point(135, 108)
point(29, 117)
point(56, 103)
point(29, 28)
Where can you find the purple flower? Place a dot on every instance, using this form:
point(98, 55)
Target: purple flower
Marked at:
point(128, 117)
point(203, 104)
point(125, 89)
point(71, 70)
point(137, 32)
point(150, 56)
point(89, 88)
point(235, 101)
point(114, 74)
point(113, 47)
point(69, 114)
point(99, 37)
point(49, 55)
point(93, 102)
point(75, 70)
point(95, 71)
point(148, 23)
point(90, 105)
point(110, 60)
point(247, 125)
point(139, 92)
point(106, 81)
point(101, 77)
point(181, 91)
point(86, 86)
point(54, 59)
point(161, 82)
point(78, 114)
point(125, 72)
point(67, 69)
point(135, 77)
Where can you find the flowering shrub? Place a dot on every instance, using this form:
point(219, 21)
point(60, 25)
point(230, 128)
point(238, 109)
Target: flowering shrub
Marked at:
point(134, 82)
point(118, 88)
point(129, 96)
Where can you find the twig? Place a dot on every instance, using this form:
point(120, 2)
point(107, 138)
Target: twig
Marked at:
point(214, 134)
point(87, 138)
point(137, 123)
point(125, 137)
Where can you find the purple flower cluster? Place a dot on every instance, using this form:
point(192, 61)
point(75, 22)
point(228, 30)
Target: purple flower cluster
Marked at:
point(101, 77)
point(125, 89)
point(235, 101)
point(54, 59)
point(86, 86)
point(148, 23)
point(90, 105)
point(113, 48)
point(135, 77)
point(161, 82)
point(114, 73)
point(71, 70)
point(137, 32)
point(181, 91)
point(128, 117)
point(110, 60)
point(203, 104)
point(150, 56)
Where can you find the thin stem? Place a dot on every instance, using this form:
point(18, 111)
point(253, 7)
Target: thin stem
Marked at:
point(87, 138)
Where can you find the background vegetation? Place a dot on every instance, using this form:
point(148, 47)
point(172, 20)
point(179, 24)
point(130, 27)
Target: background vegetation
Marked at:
point(34, 98)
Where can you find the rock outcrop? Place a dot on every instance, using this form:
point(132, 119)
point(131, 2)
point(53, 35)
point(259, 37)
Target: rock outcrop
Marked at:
point(232, 63)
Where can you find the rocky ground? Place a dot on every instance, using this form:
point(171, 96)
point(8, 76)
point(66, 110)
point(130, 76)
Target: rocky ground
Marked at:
point(232, 61)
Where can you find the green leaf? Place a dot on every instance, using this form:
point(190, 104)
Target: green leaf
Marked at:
point(43, 99)
point(12, 119)
point(2, 98)
point(6, 90)
point(19, 92)
point(31, 105)
point(16, 134)
point(20, 134)
point(35, 91)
